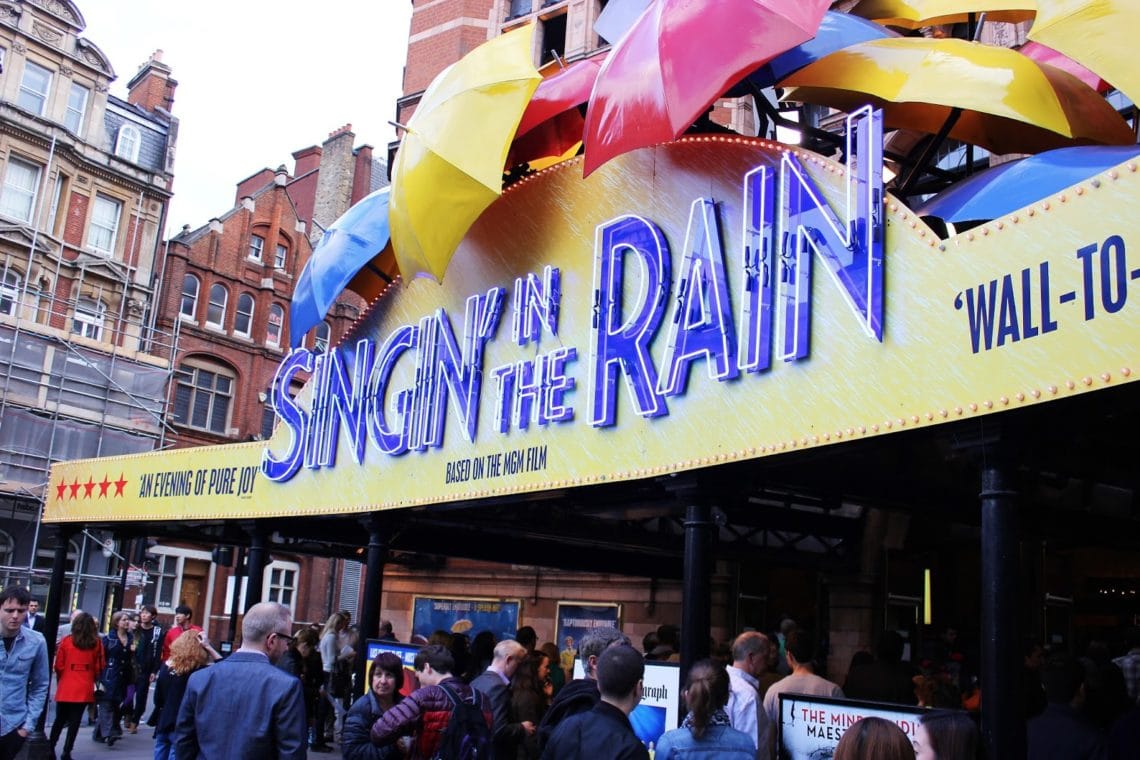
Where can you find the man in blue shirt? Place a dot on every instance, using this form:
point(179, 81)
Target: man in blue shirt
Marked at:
point(23, 672)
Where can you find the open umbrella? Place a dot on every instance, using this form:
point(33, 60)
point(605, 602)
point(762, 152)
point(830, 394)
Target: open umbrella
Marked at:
point(349, 245)
point(912, 14)
point(677, 59)
point(1008, 187)
point(837, 31)
point(1096, 34)
point(979, 94)
point(449, 167)
point(552, 124)
point(1045, 54)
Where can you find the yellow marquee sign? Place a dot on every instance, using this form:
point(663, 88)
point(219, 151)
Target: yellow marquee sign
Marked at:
point(573, 332)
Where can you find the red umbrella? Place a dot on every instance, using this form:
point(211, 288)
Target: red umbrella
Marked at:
point(678, 58)
point(1045, 54)
point(552, 124)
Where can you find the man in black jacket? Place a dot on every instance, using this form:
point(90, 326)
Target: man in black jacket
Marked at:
point(604, 732)
point(148, 653)
point(495, 682)
point(581, 694)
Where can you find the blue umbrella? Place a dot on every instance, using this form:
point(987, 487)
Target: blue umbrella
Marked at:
point(838, 30)
point(1008, 187)
point(347, 247)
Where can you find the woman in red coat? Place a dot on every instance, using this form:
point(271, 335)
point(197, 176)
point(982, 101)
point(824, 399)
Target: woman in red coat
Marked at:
point(78, 662)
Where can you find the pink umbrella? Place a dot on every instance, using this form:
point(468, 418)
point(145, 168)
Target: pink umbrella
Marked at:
point(552, 124)
point(678, 58)
point(1045, 54)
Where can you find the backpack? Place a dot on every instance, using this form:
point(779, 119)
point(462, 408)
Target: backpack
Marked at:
point(467, 735)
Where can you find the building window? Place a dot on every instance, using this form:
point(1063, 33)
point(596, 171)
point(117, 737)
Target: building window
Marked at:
point(280, 582)
point(76, 108)
point(89, 317)
point(40, 581)
point(243, 320)
point(7, 558)
point(274, 325)
point(321, 339)
point(9, 292)
point(104, 224)
point(216, 311)
point(279, 256)
point(34, 86)
point(127, 143)
point(202, 397)
point(268, 418)
point(163, 581)
point(21, 182)
point(190, 287)
point(553, 38)
point(256, 246)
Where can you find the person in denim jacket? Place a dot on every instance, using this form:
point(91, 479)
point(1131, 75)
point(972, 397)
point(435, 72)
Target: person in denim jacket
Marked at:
point(705, 732)
point(24, 674)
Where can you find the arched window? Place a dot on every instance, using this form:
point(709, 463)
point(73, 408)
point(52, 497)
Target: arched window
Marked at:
point(9, 292)
point(89, 317)
point(243, 320)
point(127, 143)
point(321, 338)
point(45, 557)
point(216, 311)
point(190, 287)
point(274, 325)
point(203, 395)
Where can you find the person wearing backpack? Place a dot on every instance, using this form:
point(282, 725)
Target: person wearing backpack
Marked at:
point(447, 718)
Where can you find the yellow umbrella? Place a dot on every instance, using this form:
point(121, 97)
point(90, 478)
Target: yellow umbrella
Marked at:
point(449, 167)
point(912, 14)
point(994, 97)
point(1095, 33)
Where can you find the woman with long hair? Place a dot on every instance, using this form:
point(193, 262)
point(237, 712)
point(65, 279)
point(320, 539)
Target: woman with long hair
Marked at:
point(78, 662)
point(705, 732)
point(302, 660)
point(386, 680)
point(874, 739)
point(530, 696)
point(329, 647)
point(187, 654)
point(119, 654)
point(946, 735)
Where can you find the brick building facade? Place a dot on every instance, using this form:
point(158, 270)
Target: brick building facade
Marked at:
point(226, 293)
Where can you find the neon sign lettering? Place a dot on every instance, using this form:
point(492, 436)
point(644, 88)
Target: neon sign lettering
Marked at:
point(786, 225)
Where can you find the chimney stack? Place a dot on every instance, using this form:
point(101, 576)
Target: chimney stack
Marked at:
point(152, 88)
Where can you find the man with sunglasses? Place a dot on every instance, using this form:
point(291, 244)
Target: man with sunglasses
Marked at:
point(243, 706)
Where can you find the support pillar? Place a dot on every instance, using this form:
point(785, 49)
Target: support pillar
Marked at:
point(256, 561)
point(37, 745)
point(696, 612)
point(373, 588)
point(1003, 727)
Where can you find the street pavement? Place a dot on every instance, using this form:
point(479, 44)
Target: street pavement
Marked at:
point(138, 746)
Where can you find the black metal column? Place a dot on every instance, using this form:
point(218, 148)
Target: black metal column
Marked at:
point(696, 612)
point(256, 561)
point(1003, 728)
point(373, 588)
point(37, 745)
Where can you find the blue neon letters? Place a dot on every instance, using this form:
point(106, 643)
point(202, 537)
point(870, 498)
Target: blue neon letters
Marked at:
point(786, 224)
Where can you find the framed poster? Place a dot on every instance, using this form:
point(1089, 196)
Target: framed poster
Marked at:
point(574, 619)
point(465, 615)
point(811, 727)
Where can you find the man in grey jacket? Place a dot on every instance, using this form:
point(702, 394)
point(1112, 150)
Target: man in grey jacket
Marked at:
point(244, 707)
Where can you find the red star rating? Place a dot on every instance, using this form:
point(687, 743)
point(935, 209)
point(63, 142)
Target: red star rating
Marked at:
point(70, 491)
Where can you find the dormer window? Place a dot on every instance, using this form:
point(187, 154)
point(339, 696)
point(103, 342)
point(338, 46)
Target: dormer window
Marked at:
point(127, 143)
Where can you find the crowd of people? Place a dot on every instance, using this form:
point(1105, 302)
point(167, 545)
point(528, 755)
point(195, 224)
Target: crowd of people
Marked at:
point(286, 693)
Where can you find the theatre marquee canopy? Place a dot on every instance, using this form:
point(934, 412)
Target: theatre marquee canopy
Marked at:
point(711, 300)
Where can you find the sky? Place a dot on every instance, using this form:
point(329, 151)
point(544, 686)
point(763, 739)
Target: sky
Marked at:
point(257, 80)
